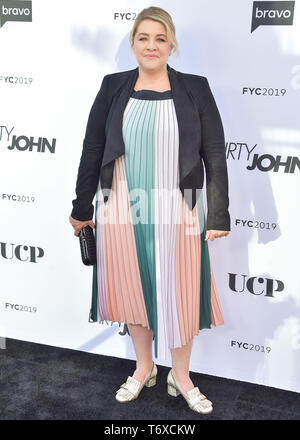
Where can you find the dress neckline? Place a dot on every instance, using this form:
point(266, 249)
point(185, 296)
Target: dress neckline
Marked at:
point(150, 90)
point(151, 94)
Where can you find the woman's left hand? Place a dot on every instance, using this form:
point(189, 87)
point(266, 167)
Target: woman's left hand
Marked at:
point(211, 234)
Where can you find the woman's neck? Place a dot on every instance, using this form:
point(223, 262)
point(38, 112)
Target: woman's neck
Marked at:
point(153, 80)
point(146, 75)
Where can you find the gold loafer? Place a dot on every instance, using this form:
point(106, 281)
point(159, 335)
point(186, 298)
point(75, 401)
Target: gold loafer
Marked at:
point(131, 389)
point(196, 400)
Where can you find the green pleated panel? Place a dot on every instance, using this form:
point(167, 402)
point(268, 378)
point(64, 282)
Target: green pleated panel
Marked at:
point(205, 278)
point(140, 121)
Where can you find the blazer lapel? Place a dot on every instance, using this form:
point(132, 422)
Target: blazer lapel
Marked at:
point(114, 145)
point(189, 133)
point(188, 130)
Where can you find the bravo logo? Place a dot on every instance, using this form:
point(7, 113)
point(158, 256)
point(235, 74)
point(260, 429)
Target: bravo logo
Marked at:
point(272, 13)
point(15, 10)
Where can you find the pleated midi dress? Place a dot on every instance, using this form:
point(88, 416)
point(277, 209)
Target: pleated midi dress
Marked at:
point(153, 265)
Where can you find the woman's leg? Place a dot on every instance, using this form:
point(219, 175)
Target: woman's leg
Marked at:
point(142, 342)
point(180, 366)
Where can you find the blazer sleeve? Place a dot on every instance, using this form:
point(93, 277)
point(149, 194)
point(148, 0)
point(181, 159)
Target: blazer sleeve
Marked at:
point(214, 157)
point(91, 157)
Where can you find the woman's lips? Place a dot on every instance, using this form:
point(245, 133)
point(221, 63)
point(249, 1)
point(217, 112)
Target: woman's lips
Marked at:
point(151, 56)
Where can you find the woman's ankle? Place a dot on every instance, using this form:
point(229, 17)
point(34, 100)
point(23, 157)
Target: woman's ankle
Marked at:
point(142, 373)
point(144, 366)
point(181, 376)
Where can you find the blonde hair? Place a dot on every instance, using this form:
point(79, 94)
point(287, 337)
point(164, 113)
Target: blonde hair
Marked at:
point(160, 15)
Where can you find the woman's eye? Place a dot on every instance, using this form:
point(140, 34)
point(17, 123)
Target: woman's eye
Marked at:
point(145, 39)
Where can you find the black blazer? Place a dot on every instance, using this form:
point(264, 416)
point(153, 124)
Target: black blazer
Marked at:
point(201, 140)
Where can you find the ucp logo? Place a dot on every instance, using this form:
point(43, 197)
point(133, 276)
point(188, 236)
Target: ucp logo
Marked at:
point(15, 10)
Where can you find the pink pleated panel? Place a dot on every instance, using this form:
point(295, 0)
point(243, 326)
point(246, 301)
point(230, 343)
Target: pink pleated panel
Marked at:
point(216, 312)
point(188, 261)
point(125, 298)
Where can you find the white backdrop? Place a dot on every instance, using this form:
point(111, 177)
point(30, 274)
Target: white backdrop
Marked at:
point(50, 71)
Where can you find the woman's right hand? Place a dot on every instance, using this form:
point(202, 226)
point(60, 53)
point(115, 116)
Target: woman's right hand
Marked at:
point(78, 224)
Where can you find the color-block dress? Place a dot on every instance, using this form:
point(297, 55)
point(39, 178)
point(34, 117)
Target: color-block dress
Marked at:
point(153, 265)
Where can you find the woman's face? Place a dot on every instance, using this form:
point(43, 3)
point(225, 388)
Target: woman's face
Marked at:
point(151, 46)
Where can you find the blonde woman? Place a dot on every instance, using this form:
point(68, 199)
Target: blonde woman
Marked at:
point(150, 134)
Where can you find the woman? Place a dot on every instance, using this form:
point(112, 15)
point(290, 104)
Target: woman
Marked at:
point(149, 130)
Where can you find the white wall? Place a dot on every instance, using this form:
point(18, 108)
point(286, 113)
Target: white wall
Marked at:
point(56, 64)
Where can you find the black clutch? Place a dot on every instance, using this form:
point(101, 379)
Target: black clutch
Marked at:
point(87, 246)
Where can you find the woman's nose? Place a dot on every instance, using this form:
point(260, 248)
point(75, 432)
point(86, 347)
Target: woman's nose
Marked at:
point(151, 44)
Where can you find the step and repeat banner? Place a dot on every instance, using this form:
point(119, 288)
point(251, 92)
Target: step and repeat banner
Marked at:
point(54, 55)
